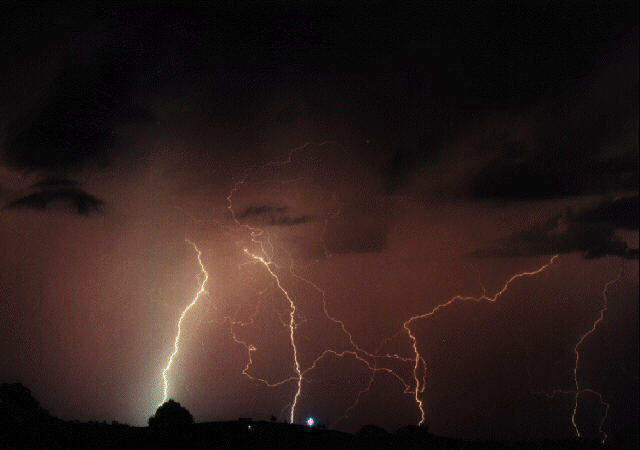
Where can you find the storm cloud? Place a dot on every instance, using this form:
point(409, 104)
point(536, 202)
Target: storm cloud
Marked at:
point(591, 232)
point(582, 142)
point(269, 215)
point(58, 194)
point(74, 124)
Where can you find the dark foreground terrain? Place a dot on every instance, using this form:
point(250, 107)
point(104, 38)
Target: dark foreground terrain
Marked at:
point(23, 424)
point(261, 435)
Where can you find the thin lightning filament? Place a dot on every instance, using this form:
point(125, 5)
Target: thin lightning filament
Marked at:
point(292, 326)
point(419, 361)
point(576, 351)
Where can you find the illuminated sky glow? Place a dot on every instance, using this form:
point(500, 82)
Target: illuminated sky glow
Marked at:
point(413, 214)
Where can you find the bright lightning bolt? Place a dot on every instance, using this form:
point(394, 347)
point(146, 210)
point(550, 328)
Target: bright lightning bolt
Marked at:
point(256, 234)
point(292, 326)
point(416, 382)
point(176, 342)
point(259, 237)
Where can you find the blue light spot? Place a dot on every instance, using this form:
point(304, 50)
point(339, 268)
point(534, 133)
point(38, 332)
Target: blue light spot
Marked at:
point(310, 421)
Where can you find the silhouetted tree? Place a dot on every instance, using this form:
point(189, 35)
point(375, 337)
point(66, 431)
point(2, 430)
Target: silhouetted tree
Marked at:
point(170, 415)
point(273, 419)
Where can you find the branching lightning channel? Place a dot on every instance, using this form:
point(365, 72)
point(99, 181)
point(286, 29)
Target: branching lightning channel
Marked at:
point(576, 351)
point(261, 238)
point(250, 348)
point(176, 342)
point(292, 326)
point(579, 391)
point(260, 249)
point(419, 361)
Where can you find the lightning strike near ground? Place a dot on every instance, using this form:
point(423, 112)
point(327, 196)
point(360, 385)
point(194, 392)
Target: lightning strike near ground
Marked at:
point(176, 342)
point(404, 219)
point(576, 379)
point(420, 362)
point(261, 238)
point(580, 391)
point(375, 362)
point(292, 327)
point(370, 359)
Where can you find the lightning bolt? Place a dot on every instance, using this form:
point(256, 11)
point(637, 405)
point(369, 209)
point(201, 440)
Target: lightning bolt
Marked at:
point(576, 351)
point(256, 236)
point(292, 327)
point(357, 351)
point(578, 391)
point(420, 362)
point(176, 342)
point(250, 348)
point(259, 237)
point(261, 251)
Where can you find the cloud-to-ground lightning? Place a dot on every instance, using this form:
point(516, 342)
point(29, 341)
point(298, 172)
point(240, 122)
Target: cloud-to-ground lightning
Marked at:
point(419, 361)
point(370, 359)
point(255, 236)
point(579, 391)
point(576, 351)
point(292, 327)
point(261, 238)
point(261, 250)
point(176, 342)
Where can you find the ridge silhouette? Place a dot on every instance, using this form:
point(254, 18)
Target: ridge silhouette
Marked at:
point(24, 424)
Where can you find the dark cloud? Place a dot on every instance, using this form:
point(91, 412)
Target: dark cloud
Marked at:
point(55, 183)
point(269, 215)
point(401, 77)
point(582, 142)
point(591, 232)
point(359, 228)
point(396, 170)
point(621, 213)
point(546, 177)
point(74, 123)
point(58, 193)
point(340, 239)
point(354, 240)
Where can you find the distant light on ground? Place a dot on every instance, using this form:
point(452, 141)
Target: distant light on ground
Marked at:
point(310, 421)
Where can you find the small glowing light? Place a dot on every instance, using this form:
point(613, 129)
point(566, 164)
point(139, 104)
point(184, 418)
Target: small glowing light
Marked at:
point(310, 421)
point(248, 427)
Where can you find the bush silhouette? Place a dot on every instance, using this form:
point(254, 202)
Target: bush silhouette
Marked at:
point(170, 415)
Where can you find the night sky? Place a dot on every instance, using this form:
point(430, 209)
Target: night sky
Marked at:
point(381, 158)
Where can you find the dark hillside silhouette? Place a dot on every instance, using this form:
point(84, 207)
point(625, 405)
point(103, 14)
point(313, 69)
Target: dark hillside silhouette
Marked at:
point(17, 403)
point(25, 425)
point(372, 431)
point(21, 417)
